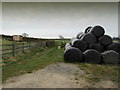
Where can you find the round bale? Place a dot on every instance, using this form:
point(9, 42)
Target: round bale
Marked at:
point(88, 29)
point(82, 45)
point(67, 46)
point(73, 55)
point(110, 57)
point(114, 46)
point(92, 56)
point(105, 40)
point(80, 33)
point(98, 31)
point(89, 38)
point(97, 47)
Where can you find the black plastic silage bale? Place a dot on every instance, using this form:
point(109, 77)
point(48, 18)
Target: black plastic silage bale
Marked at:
point(82, 45)
point(73, 54)
point(98, 31)
point(97, 47)
point(110, 57)
point(81, 35)
point(105, 40)
point(92, 56)
point(115, 47)
point(88, 29)
point(89, 38)
point(67, 46)
point(77, 36)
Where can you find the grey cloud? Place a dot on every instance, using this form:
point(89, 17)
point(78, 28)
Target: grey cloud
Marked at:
point(52, 19)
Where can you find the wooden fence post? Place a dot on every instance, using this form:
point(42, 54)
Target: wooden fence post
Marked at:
point(29, 45)
point(35, 44)
point(13, 50)
point(23, 47)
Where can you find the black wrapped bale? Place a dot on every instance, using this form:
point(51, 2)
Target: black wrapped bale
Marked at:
point(73, 54)
point(89, 38)
point(114, 46)
point(67, 46)
point(105, 40)
point(97, 47)
point(81, 35)
point(92, 56)
point(110, 57)
point(88, 29)
point(98, 31)
point(77, 36)
point(82, 45)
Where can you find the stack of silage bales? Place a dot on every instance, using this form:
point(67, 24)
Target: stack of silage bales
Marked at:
point(92, 46)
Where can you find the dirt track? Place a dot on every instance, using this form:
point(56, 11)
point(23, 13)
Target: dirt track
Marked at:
point(59, 75)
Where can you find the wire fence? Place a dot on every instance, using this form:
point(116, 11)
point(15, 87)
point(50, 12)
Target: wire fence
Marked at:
point(13, 49)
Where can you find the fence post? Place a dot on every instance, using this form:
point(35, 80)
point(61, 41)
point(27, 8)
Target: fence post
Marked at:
point(35, 45)
point(23, 47)
point(29, 45)
point(13, 50)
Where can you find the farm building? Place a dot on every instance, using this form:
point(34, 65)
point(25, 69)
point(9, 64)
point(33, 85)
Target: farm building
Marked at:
point(17, 38)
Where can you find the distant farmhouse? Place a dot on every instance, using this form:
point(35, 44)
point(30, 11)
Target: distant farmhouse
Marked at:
point(12, 38)
point(17, 38)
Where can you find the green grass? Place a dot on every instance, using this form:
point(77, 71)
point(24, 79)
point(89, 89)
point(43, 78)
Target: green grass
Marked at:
point(8, 45)
point(58, 42)
point(31, 61)
point(41, 57)
point(4, 42)
point(116, 40)
point(100, 72)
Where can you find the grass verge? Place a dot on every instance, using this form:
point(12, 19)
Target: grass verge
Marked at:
point(96, 73)
point(28, 62)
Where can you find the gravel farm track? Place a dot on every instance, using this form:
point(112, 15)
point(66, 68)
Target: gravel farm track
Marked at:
point(58, 75)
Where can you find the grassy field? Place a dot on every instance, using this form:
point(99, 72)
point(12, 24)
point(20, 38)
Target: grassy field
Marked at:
point(41, 57)
point(96, 73)
point(4, 42)
point(8, 49)
point(30, 61)
point(34, 60)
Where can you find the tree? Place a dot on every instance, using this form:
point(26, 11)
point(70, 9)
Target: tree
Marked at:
point(61, 37)
point(25, 34)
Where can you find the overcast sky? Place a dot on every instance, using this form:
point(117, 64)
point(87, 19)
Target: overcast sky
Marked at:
point(0, 16)
point(53, 19)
